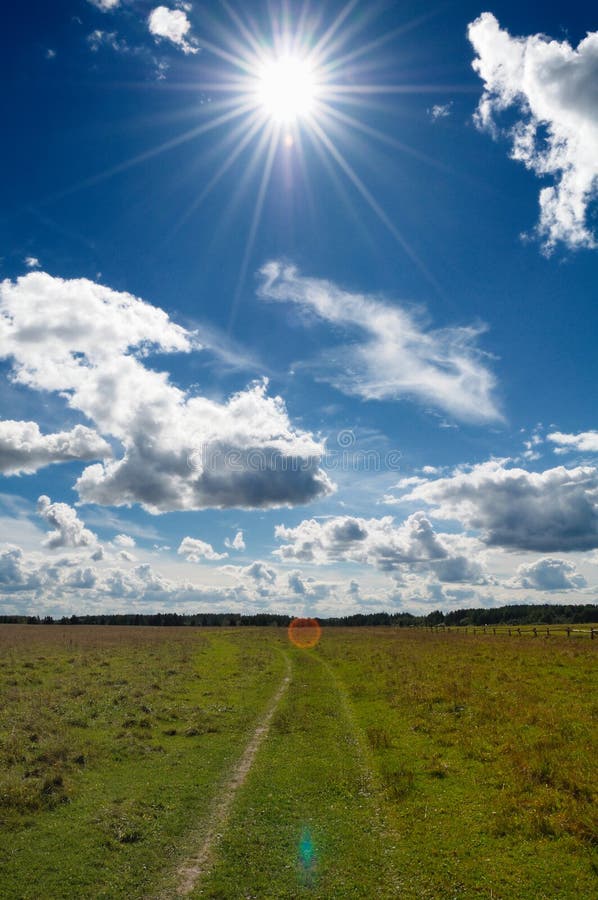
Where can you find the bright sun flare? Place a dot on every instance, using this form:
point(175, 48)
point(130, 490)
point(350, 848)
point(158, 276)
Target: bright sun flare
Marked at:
point(287, 89)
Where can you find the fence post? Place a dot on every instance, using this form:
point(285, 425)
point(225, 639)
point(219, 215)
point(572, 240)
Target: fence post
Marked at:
point(535, 631)
point(568, 631)
point(592, 633)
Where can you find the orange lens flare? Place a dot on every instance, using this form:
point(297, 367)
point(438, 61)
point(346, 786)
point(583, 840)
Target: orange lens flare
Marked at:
point(305, 633)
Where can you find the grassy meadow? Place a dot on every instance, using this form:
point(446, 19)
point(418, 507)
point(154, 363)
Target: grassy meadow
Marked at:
point(399, 763)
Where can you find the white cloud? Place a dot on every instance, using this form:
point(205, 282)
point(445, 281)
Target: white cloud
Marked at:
point(126, 556)
point(99, 38)
point(259, 571)
point(381, 543)
point(237, 543)
point(548, 575)
point(173, 25)
point(296, 583)
point(395, 355)
point(24, 449)
point(180, 450)
point(554, 510)
point(105, 5)
point(32, 262)
point(553, 87)
point(15, 576)
point(193, 550)
point(68, 529)
point(83, 578)
point(440, 111)
point(584, 442)
point(124, 540)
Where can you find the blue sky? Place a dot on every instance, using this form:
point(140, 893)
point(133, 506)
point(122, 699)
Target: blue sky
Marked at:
point(348, 312)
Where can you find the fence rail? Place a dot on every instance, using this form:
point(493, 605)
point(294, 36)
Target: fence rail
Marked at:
point(534, 631)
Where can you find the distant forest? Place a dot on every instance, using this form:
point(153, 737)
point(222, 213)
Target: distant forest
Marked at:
point(517, 614)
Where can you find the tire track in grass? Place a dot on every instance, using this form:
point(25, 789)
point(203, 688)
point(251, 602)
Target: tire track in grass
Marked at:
point(194, 868)
point(373, 780)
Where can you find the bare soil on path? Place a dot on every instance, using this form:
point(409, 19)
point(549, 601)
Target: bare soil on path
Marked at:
point(192, 870)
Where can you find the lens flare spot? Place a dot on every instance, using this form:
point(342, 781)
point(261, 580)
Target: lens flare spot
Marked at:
point(305, 633)
point(307, 858)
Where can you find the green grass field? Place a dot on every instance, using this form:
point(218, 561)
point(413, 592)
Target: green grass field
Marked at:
point(398, 763)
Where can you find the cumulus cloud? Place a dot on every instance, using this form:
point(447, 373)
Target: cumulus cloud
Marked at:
point(83, 578)
point(585, 441)
point(68, 529)
point(554, 510)
point(63, 586)
point(194, 550)
point(548, 574)
point(15, 575)
point(554, 89)
point(380, 543)
point(259, 571)
point(296, 583)
point(24, 449)
point(394, 356)
point(124, 540)
point(70, 587)
point(180, 450)
point(432, 593)
point(32, 262)
point(237, 543)
point(172, 25)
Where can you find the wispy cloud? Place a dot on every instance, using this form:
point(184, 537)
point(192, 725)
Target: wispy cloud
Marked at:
point(393, 354)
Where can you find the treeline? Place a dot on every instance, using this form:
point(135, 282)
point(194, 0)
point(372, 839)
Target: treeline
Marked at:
point(521, 614)
point(197, 620)
point(516, 614)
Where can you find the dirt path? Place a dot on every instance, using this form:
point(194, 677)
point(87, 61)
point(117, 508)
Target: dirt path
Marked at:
point(195, 867)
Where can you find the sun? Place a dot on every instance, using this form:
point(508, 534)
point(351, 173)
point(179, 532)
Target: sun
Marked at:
point(287, 89)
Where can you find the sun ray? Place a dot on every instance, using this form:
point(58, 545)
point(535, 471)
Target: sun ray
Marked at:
point(221, 171)
point(357, 89)
point(257, 213)
point(249, 36)
point(326, 40)
point(340, 188)
point(375, 206)
point(384, 138)
point(183, 138)
point(375, 44)
point(241, 189)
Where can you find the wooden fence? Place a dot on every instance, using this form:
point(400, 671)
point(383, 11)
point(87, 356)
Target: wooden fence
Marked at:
point(534, 631)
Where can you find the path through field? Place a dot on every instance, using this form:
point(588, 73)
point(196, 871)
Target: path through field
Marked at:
point(306, 820)
point(193, 869)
